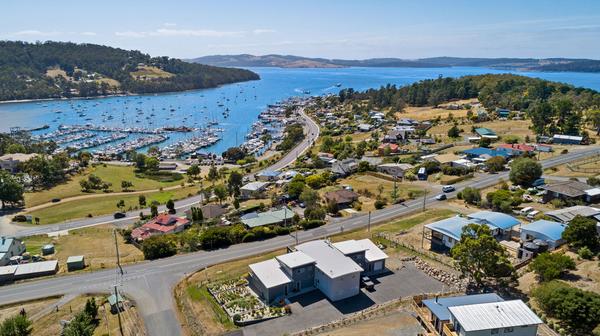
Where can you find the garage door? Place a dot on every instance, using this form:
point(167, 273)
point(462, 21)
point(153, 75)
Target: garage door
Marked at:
point(378, 266)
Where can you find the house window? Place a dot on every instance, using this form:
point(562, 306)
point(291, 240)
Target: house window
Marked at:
point(495, 331)
point(509, 330)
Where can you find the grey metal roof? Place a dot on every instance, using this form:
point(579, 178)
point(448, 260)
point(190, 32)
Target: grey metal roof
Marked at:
point(486, 316)
point(439, 307)
point(36, 267)
point(295, 259)
point(269, 272)
point(567, 214)
point(329, 259)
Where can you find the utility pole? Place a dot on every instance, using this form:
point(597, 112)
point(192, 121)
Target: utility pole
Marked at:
point(118, 310)
point(424, 199)
point(369, 223)
point(117, 249)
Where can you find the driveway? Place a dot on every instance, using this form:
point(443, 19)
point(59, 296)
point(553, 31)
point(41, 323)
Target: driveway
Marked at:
point(313, 309)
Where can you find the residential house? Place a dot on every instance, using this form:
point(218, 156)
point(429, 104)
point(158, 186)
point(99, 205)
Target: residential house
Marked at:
point(343, 198)
point(571, 191)
point(344, 167)
point(434, 313)
point(446, 158)
point(365, 127)
point(253, 190)
point(565, 215)
point(463, 163)
point(482, 154)
point(209, 211)
point(486, 133)
point(518, 149)
point(496, 318)
point(365, 253)
point(545, 230)
point(326, 158)
point(315, 265)
point(12, 162)
point(567, 139)
point(271, 217)
point(159, 225)
point(267, 175)
point(394, 169)
point(502, 112)
point(10, 247)
point(393, 148)
point(444, 234)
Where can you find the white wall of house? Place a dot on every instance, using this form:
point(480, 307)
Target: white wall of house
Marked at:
point(517, 331)
point(338, 288)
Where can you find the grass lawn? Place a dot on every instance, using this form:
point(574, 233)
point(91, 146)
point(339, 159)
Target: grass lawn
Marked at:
point(108, 173)
point(150, 72)
point(428, 113)
point(105, 205)
point(96, 244)
point(31, 307)
point(519, 128)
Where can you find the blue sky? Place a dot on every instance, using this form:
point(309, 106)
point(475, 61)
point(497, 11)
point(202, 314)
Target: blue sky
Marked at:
point(327, 28)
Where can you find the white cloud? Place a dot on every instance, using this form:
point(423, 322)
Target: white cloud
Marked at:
point(131, 34)
point(262, 31)
point(193, 32)
point(169, 24)
point(33, 32)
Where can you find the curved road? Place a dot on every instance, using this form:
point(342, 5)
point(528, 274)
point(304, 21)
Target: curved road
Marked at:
point(150, 283)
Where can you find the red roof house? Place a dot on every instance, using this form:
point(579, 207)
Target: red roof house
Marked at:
point(393, 148)
point(523, 148)
point(161, 224)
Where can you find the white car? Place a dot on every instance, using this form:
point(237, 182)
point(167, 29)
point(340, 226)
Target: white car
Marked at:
point(448, 188)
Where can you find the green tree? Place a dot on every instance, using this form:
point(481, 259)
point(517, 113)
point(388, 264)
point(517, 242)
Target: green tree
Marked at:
point(153, 210)
point(18, 325)
point(495, 164)
point(309, 197)
point(171, 206)
point(15, 148)
point(581, 232)
point(121, 205)
point(234, 183)
point(220, 192)
point(295, 187)
point(524, 171)
point(213, 174)
point(140, 161)
point(471, 195)
point(142, 200)
point(315, 181)
point(152, 164)
point(550, 266)
point(479, 256)
point(126, 185)
point(193, 171)
point(81, 325)
point(160, 246)
point(454, 132)
point(11, 191)
point(91, 308)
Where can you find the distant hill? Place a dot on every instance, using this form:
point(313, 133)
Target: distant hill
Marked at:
point(64, 69)
point(289, 61)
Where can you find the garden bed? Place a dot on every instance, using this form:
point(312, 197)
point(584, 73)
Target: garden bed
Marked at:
point(241, 304)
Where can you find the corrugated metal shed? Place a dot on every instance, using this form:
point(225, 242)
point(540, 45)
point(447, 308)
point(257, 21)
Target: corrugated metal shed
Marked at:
point(439, 307)
point(495, 315)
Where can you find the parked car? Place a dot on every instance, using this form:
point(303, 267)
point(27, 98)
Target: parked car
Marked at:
point(527, 198)
point(532, 214)
point(448, 188)
point(441, 197)
point(119, 215)
point(55, 200)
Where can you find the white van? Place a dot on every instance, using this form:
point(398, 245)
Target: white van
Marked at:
point(532, 214)
point(525, 211)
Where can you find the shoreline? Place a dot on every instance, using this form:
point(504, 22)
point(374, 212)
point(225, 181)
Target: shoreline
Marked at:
point(39, 100)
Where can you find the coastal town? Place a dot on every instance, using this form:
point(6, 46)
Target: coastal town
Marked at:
point(299, 178)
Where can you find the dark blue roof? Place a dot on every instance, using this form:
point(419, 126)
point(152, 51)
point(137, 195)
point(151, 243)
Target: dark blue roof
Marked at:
point(497, 219)
point(440, 308)
point(478, 151)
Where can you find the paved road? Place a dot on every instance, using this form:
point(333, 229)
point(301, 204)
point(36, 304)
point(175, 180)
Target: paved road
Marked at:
point(311, 129)
point(150, 283)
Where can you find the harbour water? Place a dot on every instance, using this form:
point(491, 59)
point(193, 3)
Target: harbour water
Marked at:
point(231, 109)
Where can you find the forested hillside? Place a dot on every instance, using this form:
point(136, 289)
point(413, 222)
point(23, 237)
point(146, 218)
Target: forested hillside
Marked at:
point(62, 69)
point(552, 107)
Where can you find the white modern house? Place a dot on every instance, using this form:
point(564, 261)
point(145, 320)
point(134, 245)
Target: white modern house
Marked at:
point(512, 318)
point(253, 189)
point(334, 269)
point(10, 247)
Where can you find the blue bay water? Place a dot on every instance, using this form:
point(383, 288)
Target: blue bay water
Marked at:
point(244, 100)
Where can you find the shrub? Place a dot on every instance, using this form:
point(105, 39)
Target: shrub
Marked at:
point(158, 247)
point(549, 266)
point(310, 224)
point(585, 253)
point(380, 204)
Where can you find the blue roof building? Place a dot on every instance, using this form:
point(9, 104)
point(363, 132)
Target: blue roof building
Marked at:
point(495, 219)
point(267, 175)
point(482, 151)
point(548, 231)
point(439, 306)
point(444, 234)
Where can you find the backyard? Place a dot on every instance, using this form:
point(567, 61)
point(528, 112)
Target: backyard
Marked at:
point(96, 244)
